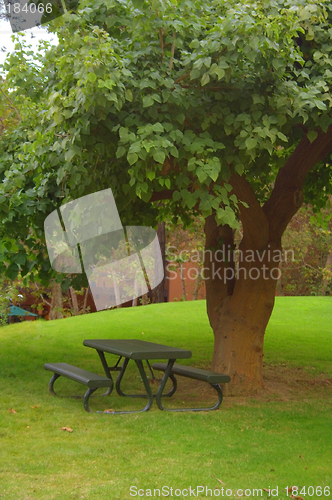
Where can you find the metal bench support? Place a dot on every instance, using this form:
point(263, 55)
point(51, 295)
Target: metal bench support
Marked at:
point(196, 374)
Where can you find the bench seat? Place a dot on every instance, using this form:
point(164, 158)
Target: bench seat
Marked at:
point(91, 380)
point(212, 378)
point(195, 373)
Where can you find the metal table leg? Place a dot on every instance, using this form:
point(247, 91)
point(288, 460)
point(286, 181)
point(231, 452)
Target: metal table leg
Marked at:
point(167, 374)
point(120, 377)
point(148, 394)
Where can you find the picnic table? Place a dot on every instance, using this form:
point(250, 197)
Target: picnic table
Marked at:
point(139, 351)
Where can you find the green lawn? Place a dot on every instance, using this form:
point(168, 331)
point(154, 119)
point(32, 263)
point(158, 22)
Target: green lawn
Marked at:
point(250, 443)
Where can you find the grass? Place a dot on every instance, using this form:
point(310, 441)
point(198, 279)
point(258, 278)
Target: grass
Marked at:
point(280, 439)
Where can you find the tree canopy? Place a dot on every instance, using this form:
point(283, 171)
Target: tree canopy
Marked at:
point(155, 96)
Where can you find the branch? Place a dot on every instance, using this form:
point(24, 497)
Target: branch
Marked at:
point(172, 51)
point(162, 195)
point(217, 288)
point(11, 105)
point(252, 217)
point(217, 88)
point(161, 39)
point(46, 302)
point(182, 78)
point(287, 196)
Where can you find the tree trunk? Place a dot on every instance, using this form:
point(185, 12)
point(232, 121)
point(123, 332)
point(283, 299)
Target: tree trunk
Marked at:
point(74, 301)
point(197, 284)
point(239, 336)
point(56, 302)
point(183, 283)
point(240, 302)
point(145, 299)
point(85, 299)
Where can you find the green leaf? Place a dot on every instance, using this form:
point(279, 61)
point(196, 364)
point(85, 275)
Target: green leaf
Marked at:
point(201, 175)
point(142, 154)
point(214, 171)
point(109, 84)
point(190, 199)
point(176, 195)
point(123, 133)
point(180, 117)
point(320, 104)
point(205, 79)
point(282, 136)
point(135, 147)
point(147, 101)
point(195, 73)
point(132, 158)
point(251, 143)
point(159, 156)
point(194, 44)
point(12, 271)
point(278, 63)
point(73, 151)
point(144, 187)
point(58, 118)
point(20, 259)
point(120, 151)
point(174, 152)
point(151, 175)
point(129, 95)
point(312, 135)
point(156, 97)
point(219, 72)
point(157, 127)
point(91, 77)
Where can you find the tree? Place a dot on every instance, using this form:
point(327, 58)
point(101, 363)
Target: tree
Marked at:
point(202, 107)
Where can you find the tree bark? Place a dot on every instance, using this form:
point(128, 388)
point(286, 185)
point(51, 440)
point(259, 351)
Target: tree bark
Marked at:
point(240, 301)
point(183, 283)
point(145, 299)
point(56, 302)
point(198, 281)
point(85, 299)
point(74, 301)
